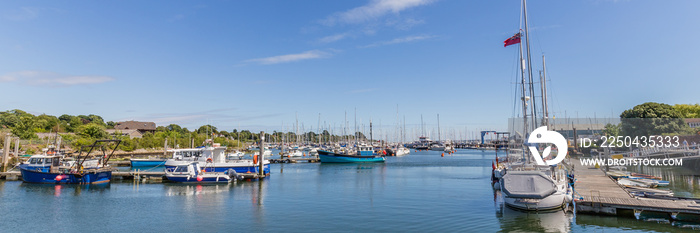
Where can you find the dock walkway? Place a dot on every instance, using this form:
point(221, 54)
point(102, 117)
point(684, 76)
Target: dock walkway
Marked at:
point(598, 193)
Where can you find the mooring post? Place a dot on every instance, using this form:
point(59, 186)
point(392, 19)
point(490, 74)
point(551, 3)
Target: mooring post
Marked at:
point(6, 152)
point(17, 148)
point(261, 169)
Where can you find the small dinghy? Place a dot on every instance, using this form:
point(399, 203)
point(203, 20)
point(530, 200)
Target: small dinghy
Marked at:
point(632, 183)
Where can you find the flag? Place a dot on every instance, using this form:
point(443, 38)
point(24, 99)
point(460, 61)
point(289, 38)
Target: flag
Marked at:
point(515, 39)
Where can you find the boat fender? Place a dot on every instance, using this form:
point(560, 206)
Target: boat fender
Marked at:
point(199, 178)
point(255, 159)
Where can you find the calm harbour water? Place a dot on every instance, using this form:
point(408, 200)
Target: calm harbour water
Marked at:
point(419, 192)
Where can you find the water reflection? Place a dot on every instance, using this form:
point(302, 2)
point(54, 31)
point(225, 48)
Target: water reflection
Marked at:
point(174, 189)
point(619, 222)
point(513, 220)
point(64, 189)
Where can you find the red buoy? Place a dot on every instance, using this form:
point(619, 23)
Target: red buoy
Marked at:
point(199, 178)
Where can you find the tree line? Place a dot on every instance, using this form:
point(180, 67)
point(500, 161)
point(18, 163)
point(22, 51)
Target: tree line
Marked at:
point(76, 131)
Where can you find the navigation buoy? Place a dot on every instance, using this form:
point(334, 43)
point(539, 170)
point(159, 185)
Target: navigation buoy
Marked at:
point(443, 154)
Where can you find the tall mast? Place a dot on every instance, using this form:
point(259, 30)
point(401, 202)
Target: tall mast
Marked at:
point(529, 68)
point(543, 83)
point(439, 139)
point(355, 133)
point(524, 98)
point(422, 130)
point(318, 129)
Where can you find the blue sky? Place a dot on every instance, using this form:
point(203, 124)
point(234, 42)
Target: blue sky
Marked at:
point(259, 64)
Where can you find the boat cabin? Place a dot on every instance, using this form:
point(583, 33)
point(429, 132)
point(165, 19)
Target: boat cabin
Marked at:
point(43, 163)
point(365, 150)
point(202, 154)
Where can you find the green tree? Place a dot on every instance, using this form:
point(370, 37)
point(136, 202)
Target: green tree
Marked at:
point(688, 110)
point(207, 129)
point(611, 130)
point(652, 119)
point(92, 131)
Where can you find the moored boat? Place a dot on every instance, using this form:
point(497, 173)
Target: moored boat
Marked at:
point(212, 158)
point(193, 173)
point(147, 162)
point(53, 169)
point(365, 154)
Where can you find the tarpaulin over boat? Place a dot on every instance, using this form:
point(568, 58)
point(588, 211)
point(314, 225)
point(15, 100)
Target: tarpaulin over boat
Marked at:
point(527, 184)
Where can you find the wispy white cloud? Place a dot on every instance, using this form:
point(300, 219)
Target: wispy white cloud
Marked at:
point(405, 24)
point(43, 78)
point(333, 38)
point(375, 9)
point(399, 41)
point(312, 54)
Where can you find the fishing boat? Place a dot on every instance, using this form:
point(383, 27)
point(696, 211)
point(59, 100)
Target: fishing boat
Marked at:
point(193, 173)
point(364, 154)
point(86, 169)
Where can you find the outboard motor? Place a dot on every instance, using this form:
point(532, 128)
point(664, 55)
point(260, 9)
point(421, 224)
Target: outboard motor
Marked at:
point(390, 152)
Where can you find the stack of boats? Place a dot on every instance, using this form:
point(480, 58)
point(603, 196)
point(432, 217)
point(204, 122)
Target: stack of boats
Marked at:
point(210, 163)
point(640, 184)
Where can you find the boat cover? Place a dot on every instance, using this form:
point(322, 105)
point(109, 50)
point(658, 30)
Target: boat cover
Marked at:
point(527, 184)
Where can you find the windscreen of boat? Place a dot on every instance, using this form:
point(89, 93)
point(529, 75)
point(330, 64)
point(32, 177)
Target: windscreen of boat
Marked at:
point(181, 169)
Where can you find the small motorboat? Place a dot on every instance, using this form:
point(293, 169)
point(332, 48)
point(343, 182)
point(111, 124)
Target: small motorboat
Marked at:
point(193, 173)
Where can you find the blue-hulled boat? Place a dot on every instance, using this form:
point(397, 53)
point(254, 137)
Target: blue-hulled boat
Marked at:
point(147, 162)
point(53, 169)
point(212, 158)
point(365, 154)
point(193, 173)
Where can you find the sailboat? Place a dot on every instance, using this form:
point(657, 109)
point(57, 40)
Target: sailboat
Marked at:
point(526, 185)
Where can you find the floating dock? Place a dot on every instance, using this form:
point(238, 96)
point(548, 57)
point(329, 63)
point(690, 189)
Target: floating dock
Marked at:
point(129, 175)
point(597, 193)
point(295, 160)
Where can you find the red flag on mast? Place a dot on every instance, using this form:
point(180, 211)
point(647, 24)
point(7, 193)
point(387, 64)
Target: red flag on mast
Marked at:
point(515, 39)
